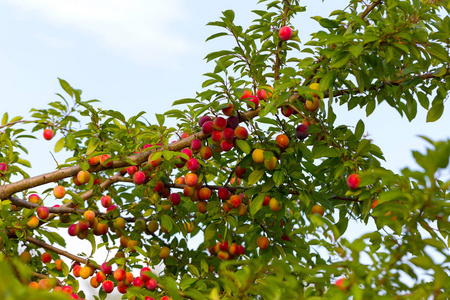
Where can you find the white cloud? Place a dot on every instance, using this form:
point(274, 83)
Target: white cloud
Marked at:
point(139, 30)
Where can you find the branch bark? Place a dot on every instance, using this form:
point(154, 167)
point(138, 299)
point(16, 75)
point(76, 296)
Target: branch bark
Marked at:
point(61, 252)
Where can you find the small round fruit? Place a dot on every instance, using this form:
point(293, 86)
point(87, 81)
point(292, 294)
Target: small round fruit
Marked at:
point(262, 242)
point(83, 177)
point(258, 156)
point(106, 201)
point(139, 178)
point(228, 110)
point(152, 226)
point(145, 273)
point(312, 105)
point(275, 205)
point(108, 286)
point(42, 212)
point(315, 86)
point(223, 193)
point(85, 272)
point(25, 257)
point(353, 181)
point(151, 284)
point(59, 192)
point(104, 158)
point(317, 210)
point(271, 163)
point(285, 33)
point(175, 198)
point(105, 268)
point(342, 284)
point(119, 274)
point(235, 201)
point(33, 198)
point(203, 120)
point(208, 127)
point(301, 132)
point(286, 111)
point(164, 253)
point(89, 215)
point(48, 134)
point(264, 93)
point(282, 141)
point(46, 257)
point(33, 222)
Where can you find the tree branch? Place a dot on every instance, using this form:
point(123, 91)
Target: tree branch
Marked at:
point(7, 190)
point(61, 252)
point(369, 8)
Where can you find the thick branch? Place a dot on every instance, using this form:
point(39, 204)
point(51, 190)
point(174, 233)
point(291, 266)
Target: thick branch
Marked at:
point(369, 9)
point(57, 210)
point(60, 252)
point(7, 190)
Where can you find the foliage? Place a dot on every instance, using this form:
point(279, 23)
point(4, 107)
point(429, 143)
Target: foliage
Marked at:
point(368, 53)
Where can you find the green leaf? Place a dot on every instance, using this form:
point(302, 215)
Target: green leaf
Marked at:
point(327, 81)
point(324, 151)
point(359, 130)
point(167, 222)
point(437, 51)
point(216, 35)
point(439, 72)
point(93, 144)
point(341, 60)
point(160, 118)
point(255, 176)
point(59, 144)
point(423, 262)
point(327, 23)
point(370, 107)
point(435, 112)
point(244, 146)
point(66, 87)
point(257, 204)
point(423, 100)
point(53, 237)
point(356, 50)
point(91, 239)
point(75, 197)
point(140, 251)
point(229, 14)
point(390, 195)
point(278, 177)
point(24, 162)
point(5, 118)
point(185, 101)
point(364, 144)
point(210, 232)
point(172, 288)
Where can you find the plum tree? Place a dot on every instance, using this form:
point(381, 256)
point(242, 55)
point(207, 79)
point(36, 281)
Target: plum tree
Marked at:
point(240, 170)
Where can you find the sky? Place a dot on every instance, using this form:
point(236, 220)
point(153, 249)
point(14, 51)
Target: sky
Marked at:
point(145, 54)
